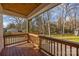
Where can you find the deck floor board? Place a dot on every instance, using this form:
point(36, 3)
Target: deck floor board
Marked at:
point(20, 50)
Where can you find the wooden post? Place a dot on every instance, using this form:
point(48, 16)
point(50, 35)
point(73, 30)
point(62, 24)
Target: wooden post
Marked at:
point(28, 40)
point(1, 28)
point(26, 25)
point(43, 24)
point(48, 23)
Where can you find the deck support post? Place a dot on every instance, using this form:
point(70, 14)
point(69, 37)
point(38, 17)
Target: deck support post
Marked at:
point(28, 40)
point(1, 28)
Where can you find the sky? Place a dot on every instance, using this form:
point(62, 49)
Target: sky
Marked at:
point(54, 14)
point(58, 10)
point(6, 20)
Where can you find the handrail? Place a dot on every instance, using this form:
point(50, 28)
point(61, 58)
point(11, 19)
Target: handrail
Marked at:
point(46, 43)
point(58, 44)
point(67, 42)
point(31, 38)
point(34, 38)
point(15, 34)
point(14, 38)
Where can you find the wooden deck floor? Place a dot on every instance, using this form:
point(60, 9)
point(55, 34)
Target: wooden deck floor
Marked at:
point(21, 49)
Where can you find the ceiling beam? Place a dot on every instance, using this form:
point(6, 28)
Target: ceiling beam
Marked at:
point(1, 8)
point(7, 12)
point(11, 13)
point(23, 9)
point(42, 8)
point(1, 29)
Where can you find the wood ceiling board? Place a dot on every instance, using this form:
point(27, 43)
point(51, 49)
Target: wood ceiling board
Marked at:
point(24, 9)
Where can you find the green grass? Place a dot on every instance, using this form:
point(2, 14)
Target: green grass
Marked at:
point(69, 37)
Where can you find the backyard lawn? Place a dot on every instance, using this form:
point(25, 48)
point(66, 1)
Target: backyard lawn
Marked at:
point(66, 37)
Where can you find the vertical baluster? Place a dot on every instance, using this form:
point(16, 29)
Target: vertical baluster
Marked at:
point(57, 49)
point(9, 40)
point(70, 51)
point(4, 41)
point(47, 45)
point(41, 43)
point(77, 53)
point(65, 50)
point(51, 46)
point(14, 39)
point(54, 48)
point(61, 49)
point(18, 39)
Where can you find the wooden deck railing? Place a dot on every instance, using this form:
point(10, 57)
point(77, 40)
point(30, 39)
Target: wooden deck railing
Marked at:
point(58, 47)
point(51, 46)
point(18, 38)
point(35, 40)
point(14, 38)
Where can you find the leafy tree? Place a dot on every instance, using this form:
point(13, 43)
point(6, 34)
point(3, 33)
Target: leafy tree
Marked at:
point(11, 25)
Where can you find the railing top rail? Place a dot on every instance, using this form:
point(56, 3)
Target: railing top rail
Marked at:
point(18, 34)
point(35, 35)
point(66, 42)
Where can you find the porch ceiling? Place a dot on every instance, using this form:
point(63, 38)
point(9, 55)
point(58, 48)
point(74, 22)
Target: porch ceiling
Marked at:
point(21, 8)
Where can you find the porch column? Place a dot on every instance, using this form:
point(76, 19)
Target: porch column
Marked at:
point(28, 31)
point(48, 23)
point(1, 29)
point(27, 26)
